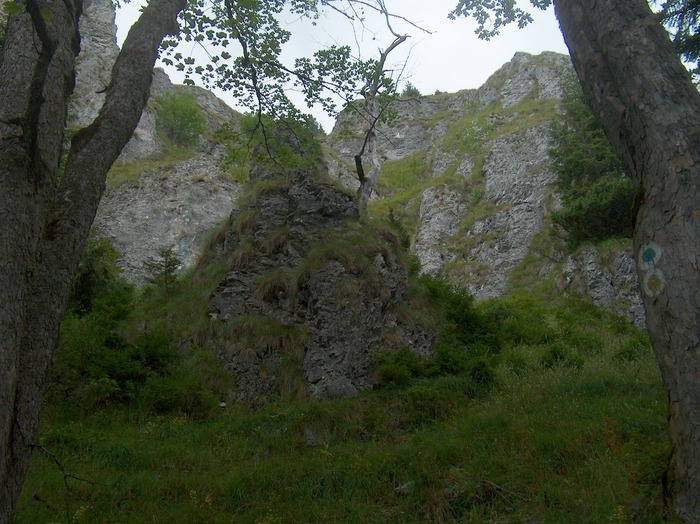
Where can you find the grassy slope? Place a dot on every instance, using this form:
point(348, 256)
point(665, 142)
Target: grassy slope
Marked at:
point(573, 430)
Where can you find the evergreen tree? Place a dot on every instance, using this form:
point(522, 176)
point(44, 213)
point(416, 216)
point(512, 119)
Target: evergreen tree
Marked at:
point(598, 198)
point(163, 269)
point(682, 19)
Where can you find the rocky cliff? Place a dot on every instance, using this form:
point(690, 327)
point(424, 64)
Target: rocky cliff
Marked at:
point(469, 175)
point(310, 293)
point(174, 205)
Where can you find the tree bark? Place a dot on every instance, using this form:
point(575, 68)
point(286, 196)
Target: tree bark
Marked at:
point(650, 111)
point(46, 218)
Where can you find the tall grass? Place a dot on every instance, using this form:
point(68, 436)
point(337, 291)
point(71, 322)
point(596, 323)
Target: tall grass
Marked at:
point(579, 438)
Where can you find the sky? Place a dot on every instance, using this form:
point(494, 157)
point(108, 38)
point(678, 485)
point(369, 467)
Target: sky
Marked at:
point(449, 59)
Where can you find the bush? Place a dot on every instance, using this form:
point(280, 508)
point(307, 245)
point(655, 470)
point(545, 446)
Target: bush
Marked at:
point(98, 283)
point(95, 366)
point(181, 392)
point(397, 368)
point(410, 91)
point(180, 118)
point(162, 271)
point(602, 210)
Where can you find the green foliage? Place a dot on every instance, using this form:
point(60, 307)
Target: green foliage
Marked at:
point(162, 271)
point(180, 118)
point(287, 143)
point(397, 368)
point(178, 392)
point(525, 451)
point(681, 17)
point(582, 153)
point(523, 394)
point(410, 91)
point(98, 283)
point(259, 77)
point(598, 200)
point(94, 366)
point(466, 344)
point(491, 16)
point(604, 209)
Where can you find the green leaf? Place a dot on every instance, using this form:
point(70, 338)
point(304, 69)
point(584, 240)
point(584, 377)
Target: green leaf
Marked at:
point(12, 8)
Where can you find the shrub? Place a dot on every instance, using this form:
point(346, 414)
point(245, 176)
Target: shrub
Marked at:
point(162, 271)
point(397, 368)
point(410, 91)
point(95, 366)
point(449, 359)
point(180, 118)
point(602, 210)
point(181, 392)
point(98, 282)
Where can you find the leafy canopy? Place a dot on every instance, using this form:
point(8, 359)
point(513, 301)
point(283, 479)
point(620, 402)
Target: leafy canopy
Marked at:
point(244, 42)
point(492, 15)
point(180, 118)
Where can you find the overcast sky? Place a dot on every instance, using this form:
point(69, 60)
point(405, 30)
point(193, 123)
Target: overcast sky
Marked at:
point(449, 59)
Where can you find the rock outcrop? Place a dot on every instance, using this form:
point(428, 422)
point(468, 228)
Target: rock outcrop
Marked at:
point(609, 279)
point(316, 287)
point(176, 208)
point(93, 66)
point(484, 157)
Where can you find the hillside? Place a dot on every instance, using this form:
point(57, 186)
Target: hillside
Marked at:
point(449, 359)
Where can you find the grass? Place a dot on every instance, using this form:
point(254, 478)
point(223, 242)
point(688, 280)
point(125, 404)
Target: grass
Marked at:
point(546, 442)
point(123, 172)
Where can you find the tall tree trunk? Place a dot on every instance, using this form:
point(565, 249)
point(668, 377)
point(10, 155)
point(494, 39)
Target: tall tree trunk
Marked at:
point(650, 111)
point(46, 218)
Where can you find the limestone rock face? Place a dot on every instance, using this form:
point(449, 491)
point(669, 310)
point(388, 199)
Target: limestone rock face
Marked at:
point(525, 77)
point(610, 280)
point(98, 51)
point(440, 212)
point(174, 208)
point(478, 225)
point(484, 157)
point(145, 141)
point(303, 274)
point(516, 184)
point(166, 208)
